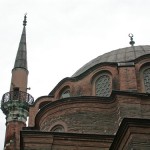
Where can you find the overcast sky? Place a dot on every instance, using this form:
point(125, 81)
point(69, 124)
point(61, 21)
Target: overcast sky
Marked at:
point(63, 35)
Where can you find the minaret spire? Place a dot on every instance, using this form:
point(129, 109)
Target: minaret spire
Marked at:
point(21, 58)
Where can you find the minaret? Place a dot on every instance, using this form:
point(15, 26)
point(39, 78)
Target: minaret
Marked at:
point(15, 103)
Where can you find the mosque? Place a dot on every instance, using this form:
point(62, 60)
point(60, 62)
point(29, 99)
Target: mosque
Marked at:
point(105, 105)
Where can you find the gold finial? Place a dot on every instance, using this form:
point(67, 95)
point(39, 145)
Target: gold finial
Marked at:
point(131, 38)
point(25, 20)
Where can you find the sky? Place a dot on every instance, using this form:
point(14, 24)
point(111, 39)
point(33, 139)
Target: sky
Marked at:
point(63, 35)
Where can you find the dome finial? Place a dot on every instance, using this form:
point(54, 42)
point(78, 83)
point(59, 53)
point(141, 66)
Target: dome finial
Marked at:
point(25, 20)
point(131, 38)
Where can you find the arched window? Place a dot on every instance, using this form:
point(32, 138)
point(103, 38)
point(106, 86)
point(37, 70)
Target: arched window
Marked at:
point(65, 93)
point(103, 85)
point(146, 76)
point(58, 128)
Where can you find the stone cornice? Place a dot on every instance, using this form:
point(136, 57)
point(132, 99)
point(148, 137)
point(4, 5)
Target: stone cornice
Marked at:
point(125, 125)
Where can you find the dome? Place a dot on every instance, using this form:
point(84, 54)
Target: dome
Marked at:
point(120, 55)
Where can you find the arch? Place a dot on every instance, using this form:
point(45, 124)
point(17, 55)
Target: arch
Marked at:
point(58, 128)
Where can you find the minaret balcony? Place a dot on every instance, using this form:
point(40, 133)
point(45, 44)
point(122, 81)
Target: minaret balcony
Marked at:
point(15, 105)
point(17, 96)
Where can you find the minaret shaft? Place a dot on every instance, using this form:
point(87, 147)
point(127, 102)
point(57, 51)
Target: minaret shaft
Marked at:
point(19, 79)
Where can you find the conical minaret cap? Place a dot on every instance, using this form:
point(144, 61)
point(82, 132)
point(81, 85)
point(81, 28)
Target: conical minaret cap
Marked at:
point(21, 58)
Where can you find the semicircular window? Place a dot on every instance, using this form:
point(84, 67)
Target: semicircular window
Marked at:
point(103, 85)
point(146, 75)
point(58, 128)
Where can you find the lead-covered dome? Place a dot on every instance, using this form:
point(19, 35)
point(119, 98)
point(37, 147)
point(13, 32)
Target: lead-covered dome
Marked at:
point(120, 55)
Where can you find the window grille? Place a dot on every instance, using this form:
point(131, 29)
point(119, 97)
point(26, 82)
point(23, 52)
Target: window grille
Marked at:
point(103, 85)
point(146, 75)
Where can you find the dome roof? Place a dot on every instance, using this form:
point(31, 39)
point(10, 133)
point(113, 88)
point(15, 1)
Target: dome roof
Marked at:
point(120, 55)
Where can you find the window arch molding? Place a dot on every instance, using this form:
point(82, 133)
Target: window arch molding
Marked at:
point(102, 83)
point(145, 78)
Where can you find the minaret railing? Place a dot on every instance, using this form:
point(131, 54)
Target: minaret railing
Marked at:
point(17, 96)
